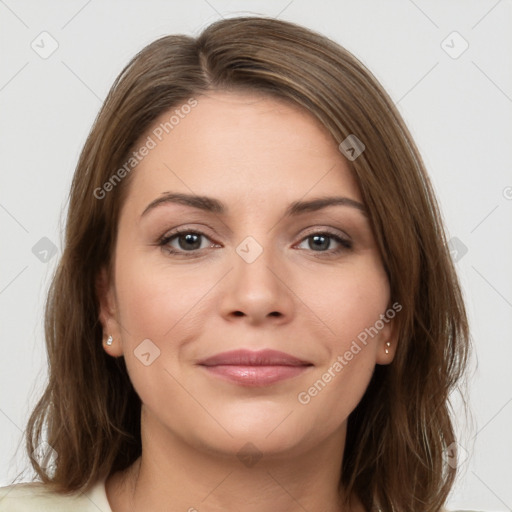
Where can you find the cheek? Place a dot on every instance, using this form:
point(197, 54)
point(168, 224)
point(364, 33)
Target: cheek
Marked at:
point(351, 307)
point(349, 301)
point(329, 398)
point(350, 304)
point(165, 306)
point(153, 308)
point(154, 299)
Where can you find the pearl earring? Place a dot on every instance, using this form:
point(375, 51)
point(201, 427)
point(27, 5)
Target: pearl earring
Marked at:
point(110, 340)
point(388, 344)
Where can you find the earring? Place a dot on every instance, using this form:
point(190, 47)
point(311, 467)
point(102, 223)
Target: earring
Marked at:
point(110, 340)
point(388, 344)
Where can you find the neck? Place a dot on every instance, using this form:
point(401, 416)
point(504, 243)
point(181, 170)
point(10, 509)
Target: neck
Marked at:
point(183, 477)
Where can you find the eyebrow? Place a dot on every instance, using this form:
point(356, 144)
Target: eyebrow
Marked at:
point(210, 204)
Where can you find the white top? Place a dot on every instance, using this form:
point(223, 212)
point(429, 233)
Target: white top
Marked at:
point(35, 497)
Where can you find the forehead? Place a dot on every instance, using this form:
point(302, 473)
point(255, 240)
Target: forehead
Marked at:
point(241, 145)
point(252, 120)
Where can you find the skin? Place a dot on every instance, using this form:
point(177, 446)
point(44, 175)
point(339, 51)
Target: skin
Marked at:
point(256, 155)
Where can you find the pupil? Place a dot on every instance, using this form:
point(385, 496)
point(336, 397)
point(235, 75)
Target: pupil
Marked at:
point(316, 238)
point(190, 239)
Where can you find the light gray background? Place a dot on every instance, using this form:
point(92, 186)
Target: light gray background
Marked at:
point(458, 109)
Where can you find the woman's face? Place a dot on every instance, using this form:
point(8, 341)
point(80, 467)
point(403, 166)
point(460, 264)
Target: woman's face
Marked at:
point(253, 267)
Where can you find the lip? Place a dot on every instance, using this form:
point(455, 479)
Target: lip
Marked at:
point(249, 368)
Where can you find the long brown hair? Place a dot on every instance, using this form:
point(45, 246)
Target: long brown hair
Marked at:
point(90, 414)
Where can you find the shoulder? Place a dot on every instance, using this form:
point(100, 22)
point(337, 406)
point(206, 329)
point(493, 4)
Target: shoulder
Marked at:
point(36, 497)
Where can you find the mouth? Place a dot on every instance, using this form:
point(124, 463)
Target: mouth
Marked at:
point(248, 368)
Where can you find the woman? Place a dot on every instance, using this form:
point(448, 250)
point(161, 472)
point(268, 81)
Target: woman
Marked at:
point(255, 308)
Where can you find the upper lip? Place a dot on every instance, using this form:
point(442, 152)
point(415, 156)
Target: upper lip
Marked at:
point(252, 358)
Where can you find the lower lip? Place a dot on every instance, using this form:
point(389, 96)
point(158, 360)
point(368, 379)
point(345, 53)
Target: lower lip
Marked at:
point(255, 375)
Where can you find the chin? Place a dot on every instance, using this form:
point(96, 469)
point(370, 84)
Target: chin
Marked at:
point(251, 446)
point(278, 434)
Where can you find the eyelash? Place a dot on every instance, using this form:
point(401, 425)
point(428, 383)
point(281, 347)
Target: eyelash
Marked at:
point(164, 241)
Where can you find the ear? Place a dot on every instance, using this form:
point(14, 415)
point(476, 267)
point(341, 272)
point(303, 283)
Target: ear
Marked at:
point(388, 336)
point(108, 314)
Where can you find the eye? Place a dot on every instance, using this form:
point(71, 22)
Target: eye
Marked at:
point(186, 241)
point(322, 240)
point(189, 242)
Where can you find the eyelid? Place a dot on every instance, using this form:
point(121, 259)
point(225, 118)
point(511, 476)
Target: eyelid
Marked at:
point(326, 230)
point(188, 229)
point(308, 232)
point(184, 230)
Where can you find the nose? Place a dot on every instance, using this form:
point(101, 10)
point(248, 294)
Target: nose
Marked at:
point(257, 291)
